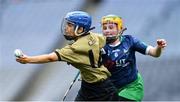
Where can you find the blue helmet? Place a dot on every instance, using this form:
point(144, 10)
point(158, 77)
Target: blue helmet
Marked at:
point(80, 19)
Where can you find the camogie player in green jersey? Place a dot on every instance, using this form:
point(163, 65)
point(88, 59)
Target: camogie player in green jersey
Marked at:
point(83, 54)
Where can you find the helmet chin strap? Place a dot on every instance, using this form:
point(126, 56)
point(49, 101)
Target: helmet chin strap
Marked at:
point(80, 34)
point(76, 33)
point(122, 31)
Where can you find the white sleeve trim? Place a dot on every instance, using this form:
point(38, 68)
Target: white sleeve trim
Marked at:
point(103, 51)
point(148, 49)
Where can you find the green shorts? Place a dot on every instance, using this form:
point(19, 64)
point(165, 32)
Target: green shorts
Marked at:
point(134, 90)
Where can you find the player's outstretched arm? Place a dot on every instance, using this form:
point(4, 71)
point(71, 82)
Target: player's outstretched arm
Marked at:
point(156, 51)
point(37, 59)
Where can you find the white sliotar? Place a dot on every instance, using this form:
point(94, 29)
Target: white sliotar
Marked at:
point(18, 53)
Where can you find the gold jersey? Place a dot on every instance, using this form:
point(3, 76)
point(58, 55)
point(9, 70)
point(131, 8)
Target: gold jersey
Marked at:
point(84, 54)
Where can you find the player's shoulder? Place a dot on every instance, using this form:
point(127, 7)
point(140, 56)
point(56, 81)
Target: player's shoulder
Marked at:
point(91, 36)
point(127, 37)
point(98, 38)
point(86, 41)
point(97, 35)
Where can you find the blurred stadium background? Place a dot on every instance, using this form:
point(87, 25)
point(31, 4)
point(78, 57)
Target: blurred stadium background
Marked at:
point(34, 27)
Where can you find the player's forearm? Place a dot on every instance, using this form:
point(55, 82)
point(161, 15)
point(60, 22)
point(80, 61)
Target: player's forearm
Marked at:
point(39, 59)
point(155, 51)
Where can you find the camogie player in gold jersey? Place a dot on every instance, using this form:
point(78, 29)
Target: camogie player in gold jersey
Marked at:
point(83, 54)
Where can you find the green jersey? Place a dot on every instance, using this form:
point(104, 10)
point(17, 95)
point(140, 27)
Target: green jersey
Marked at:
point(84, 54)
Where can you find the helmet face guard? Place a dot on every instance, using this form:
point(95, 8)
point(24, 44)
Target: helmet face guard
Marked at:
point(112, 27)
point(64, 26)
point(110, 31)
